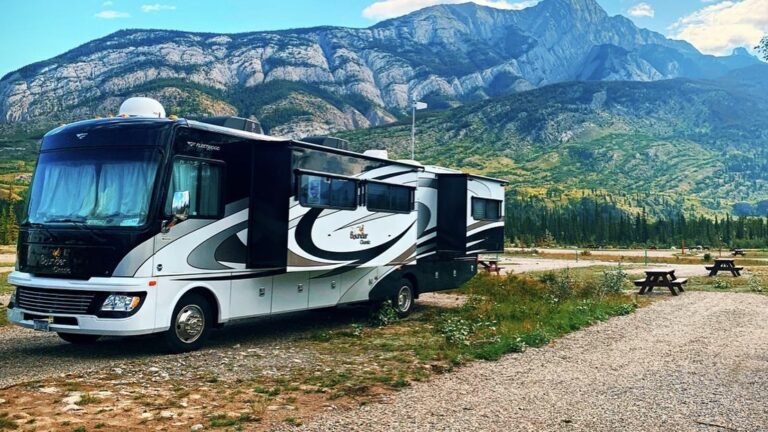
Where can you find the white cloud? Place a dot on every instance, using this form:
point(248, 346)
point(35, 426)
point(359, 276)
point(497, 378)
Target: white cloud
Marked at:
point(721, 27)
point(110, 14)
point(157, 7)
point(642, 10)
point(384, 9)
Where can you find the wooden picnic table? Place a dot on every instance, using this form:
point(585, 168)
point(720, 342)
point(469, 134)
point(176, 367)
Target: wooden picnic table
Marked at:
point(735, 252)
point(491, 266)
point(724, 264)
point(660, 278)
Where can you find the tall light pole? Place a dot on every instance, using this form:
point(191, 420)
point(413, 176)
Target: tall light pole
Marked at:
point(415, 105)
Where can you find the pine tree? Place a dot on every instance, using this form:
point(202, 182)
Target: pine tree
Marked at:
point(3, 226)
point(11, 225)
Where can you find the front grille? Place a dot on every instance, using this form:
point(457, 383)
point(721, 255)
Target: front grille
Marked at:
point(55, 301)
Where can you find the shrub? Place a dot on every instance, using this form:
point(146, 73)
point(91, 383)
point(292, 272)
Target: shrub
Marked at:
point(612, 281)
point(586, 253)
point(562, 286)
point(383, 315)
point(707, 257)
point(755, 284)
point(455, 330)
point(721, 284)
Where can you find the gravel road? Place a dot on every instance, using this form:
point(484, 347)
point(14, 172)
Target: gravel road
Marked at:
point(694, 362)
point(27, 355)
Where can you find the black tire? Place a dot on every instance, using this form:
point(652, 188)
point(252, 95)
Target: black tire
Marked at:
point(79, 339)
point(190, 324)
point(404, 298)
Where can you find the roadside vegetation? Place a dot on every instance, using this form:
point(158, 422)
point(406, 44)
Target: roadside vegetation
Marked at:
point(352, 363)
point(5, 290)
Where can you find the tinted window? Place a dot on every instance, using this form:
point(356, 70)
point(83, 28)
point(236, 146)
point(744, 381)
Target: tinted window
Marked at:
point(486, 209)
point(202, 179)
point(100, 187)
point(330, 192)
point(389, 198)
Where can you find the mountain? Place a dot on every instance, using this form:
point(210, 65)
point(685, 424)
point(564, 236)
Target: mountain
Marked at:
point(669, 146)
point(323, 79)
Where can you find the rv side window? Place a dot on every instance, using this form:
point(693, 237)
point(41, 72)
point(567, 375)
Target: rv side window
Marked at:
point(486, 209)
point(388, 198)
point(327, 192)
point(203, 180)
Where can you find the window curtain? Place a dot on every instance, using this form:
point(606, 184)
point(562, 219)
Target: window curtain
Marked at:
point(68, 191)
point(209, 193)
point(124, 190)
point(184, 178)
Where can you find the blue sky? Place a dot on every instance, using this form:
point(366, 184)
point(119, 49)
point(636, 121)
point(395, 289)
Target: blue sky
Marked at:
point(34, 30)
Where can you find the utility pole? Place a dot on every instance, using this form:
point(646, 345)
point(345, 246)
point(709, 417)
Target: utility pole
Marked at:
point(415, 105)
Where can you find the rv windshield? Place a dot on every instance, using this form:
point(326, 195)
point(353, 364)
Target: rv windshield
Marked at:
point(97, 187)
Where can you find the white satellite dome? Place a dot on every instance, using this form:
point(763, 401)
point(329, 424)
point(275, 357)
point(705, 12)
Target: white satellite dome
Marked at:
point(142, 107)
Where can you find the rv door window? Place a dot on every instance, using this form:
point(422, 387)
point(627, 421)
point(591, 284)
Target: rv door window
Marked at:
point(327, 192)
point(388, 198)
point(203, 180)
point(486, 209)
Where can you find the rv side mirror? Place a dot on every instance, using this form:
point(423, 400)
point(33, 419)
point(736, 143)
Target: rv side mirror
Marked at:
point(180, 206)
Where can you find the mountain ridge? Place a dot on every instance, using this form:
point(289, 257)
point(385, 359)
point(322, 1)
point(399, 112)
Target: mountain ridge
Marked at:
point(446, 54)
point(697, 146)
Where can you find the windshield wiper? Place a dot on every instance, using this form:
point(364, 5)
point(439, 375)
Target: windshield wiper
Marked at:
point(81, 225)
point(65, 220)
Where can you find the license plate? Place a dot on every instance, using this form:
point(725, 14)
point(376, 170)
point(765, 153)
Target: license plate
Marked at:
point(15, 315)
point(42, 325)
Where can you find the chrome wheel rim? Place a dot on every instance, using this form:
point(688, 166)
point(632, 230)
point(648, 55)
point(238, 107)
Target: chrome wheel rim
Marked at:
point(190, 323)
point(404, 298)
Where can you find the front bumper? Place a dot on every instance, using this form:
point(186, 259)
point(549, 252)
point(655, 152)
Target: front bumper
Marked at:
point(141, 322)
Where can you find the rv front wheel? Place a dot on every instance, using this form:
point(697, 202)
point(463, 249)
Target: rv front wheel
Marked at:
point(79, 339)
point(190, 324)
point(403, 300)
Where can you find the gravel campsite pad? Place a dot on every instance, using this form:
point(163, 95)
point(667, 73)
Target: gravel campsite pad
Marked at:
point(697, 362)
point(694, 362)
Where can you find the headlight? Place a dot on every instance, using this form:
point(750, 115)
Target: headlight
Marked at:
point(120, 303)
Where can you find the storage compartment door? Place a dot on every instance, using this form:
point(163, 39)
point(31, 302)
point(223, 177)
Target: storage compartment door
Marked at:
point(251, 297)
point(290, 292)
point(452, 213)
point(324, 291)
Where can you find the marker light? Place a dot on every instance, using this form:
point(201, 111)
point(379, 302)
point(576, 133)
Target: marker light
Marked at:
point(120, 303)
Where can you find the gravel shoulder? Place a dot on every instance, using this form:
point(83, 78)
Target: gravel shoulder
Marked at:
point(694, 362)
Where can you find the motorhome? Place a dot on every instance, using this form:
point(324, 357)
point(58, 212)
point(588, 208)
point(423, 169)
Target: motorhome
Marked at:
point(144, 224)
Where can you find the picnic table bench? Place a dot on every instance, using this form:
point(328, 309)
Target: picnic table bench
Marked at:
point(724, 264)
point(735, 252)
point(491, 266)
point(660, 278)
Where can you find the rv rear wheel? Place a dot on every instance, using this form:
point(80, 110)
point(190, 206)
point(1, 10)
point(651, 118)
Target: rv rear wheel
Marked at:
point(190, 324)
point(79, 339)
point(403, 300)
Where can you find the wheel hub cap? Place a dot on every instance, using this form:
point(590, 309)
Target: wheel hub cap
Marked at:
point(404, 299)
point(190, 323)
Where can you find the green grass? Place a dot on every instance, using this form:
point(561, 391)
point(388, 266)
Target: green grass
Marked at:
point(220, 421)
point(504, 315)
point(6, 423)
point(5, 287)
point(508, 314)
point(3, 317)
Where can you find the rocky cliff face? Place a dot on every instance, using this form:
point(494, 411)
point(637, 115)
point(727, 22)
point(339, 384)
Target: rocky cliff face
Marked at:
point(444, 54)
